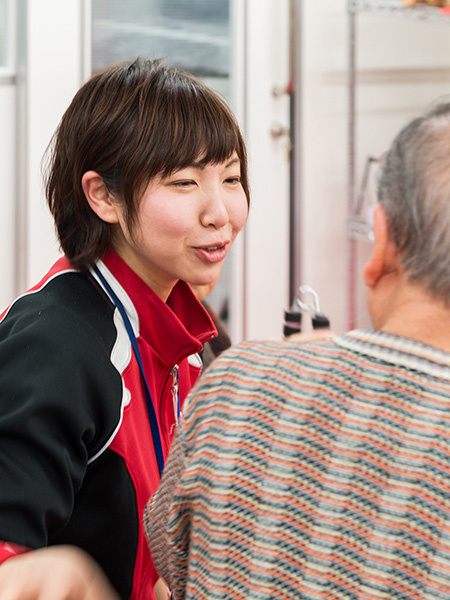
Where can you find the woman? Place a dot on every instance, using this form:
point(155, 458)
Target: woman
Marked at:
point(147, 184)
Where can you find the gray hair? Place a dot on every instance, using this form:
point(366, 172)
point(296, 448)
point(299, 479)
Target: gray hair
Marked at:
point(414, 189)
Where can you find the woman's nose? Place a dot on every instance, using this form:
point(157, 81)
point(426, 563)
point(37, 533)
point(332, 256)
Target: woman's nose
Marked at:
point(215, 210)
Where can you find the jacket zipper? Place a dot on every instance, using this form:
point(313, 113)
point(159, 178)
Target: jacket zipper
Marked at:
point(175, 392)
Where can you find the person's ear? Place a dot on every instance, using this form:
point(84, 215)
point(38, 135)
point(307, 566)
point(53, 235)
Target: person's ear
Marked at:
point(98, 197)
point(384, 252)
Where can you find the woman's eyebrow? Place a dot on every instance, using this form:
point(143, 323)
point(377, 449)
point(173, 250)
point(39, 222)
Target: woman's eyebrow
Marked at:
point(200, 165)
point(233, 161)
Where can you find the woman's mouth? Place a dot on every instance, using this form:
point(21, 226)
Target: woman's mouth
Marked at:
point(214, 253)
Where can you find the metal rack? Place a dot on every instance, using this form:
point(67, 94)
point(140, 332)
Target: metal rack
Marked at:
point(357, 227)
point(422, 12)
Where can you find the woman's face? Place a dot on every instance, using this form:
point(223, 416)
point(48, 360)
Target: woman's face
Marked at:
point(186, 223)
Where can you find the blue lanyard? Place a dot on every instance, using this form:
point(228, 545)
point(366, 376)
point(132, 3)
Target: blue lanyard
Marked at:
point(150, 407)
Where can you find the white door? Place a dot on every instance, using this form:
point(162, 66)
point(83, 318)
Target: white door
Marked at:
point(264, 74)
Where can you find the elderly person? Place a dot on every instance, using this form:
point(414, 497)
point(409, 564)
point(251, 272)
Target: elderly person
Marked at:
point(322, 469)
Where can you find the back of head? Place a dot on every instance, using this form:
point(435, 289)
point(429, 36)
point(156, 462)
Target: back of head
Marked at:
point(414, 189)
point(129, 123)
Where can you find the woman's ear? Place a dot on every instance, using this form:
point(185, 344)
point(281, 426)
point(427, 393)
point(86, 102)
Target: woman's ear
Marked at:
point(384, 251)
point(98, 197)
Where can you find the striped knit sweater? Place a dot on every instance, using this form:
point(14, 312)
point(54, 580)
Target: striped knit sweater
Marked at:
point(311, 471)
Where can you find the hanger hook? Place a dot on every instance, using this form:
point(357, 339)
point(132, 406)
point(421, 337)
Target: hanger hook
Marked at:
point(311, 308)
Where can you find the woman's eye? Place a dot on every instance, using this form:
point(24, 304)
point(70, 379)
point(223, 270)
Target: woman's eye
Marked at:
point(233, 180)
point(183, 184)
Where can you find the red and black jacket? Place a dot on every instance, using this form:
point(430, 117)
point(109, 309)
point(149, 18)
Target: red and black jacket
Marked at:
point(77, 461)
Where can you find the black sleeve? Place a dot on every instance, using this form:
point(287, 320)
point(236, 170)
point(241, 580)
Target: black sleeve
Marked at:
point(60, 401)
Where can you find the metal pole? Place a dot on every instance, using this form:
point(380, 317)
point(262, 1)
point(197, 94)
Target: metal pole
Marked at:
point(295, 141)
point(351, 243)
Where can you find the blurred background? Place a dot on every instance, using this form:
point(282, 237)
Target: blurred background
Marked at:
point(319, 87)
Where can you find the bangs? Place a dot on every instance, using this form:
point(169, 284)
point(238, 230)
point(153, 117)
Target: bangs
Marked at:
point(195, 126)
point(208, 135)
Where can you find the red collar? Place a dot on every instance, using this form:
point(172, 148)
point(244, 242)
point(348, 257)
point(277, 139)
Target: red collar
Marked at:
point(174, 329)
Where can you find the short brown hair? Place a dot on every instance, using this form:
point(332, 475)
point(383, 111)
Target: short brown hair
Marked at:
point(131, 122)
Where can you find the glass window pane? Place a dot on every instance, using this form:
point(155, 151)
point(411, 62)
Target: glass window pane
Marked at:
point(192, 34)
point(3, 33)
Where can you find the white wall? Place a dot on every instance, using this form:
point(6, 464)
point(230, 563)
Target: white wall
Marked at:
point(410, 69)
point(7, 178)
point(266, 235)
point(322, 170)
point(402, 66)
point(53, 67)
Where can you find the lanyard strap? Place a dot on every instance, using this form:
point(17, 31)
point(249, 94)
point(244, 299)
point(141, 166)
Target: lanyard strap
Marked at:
point(150, 407)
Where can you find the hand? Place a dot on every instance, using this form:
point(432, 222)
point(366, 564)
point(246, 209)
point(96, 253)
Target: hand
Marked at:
point(54, 573)
point(160, 590)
